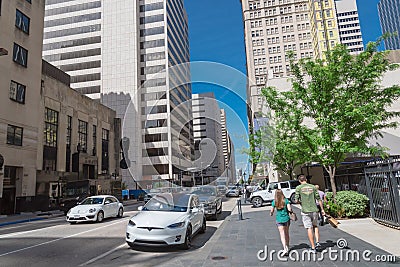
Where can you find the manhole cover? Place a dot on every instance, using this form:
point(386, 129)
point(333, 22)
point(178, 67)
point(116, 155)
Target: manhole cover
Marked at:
point(218, 258)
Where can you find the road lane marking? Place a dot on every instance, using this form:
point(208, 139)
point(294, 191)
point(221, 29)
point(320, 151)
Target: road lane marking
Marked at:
point(26, 232)
point(58, 239)
point(103, 255)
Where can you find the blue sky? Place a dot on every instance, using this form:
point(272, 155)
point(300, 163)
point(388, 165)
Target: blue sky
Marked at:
point(216, 35)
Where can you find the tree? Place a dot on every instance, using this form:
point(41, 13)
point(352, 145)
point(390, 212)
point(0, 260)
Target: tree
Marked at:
point(338, 104)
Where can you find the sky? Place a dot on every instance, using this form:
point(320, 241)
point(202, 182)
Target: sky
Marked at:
point(216, 35)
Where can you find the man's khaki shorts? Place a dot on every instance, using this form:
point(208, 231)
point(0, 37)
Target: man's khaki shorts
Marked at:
point(310, 219)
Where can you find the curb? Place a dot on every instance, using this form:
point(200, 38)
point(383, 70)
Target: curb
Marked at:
point(29, 220)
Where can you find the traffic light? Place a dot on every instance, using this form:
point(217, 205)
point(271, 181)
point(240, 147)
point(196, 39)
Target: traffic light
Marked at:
point(125, 163)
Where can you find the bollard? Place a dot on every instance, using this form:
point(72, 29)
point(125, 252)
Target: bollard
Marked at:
point(239, 204)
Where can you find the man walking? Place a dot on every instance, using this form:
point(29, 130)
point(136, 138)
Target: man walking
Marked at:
point(306, 195)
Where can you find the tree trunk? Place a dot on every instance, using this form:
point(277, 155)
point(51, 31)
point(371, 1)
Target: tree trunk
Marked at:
point(331, 171)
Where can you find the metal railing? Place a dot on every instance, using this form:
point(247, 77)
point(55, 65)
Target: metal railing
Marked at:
point(382, 179)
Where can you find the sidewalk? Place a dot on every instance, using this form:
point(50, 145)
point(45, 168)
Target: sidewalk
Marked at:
point(28, 217)
point(237, 243)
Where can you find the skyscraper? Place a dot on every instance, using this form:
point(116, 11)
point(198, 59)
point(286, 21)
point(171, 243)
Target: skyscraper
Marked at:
point(128, 54)
point(349, 25)
point(389, 16)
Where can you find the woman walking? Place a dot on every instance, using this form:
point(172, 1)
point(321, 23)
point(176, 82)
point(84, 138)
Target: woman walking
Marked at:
point(283, 207)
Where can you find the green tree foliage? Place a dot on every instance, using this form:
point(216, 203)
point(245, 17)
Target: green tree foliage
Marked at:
point(337, 105)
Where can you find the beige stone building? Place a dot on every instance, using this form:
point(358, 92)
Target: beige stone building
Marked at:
point(78, 152)
point(21, 35)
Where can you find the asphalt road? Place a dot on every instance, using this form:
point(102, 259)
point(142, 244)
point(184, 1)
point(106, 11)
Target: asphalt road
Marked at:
point(54, 242)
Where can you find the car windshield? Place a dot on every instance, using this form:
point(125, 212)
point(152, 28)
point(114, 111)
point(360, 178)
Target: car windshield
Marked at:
point(232, 188)
point(92, 200)
point(209, 191)
point(168, 202)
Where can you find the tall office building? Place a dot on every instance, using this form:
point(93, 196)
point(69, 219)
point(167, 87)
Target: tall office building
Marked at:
point(349, 25)
point(126, 53)
point(228, 151)
point(272, 28)
point(324, 28)
point(207, 132)
point(72, 42)
point(389, 16)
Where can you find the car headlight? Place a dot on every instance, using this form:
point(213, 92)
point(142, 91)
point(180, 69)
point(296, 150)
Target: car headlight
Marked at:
point(176, 225)
point(92, 210)
point(131, 223)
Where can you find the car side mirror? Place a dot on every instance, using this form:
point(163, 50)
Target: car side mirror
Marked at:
point(78, 203)
point(140, 208)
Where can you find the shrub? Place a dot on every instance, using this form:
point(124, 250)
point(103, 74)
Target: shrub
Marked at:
point(348, 204)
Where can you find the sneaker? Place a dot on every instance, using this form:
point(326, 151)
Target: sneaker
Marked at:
point(312, 250)
point(318, 246)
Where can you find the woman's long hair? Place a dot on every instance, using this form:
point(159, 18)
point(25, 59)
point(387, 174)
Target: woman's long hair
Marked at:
point(279, 199)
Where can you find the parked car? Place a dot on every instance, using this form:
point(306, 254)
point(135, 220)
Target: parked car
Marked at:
point(211, 200)
point(288, 188)
point(222, 189)
point(95, 208)
point(167, 219)
point(67, 203)
point(233, 191)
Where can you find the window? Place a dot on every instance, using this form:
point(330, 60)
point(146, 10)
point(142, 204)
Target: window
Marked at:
point(0, 6)
point(68, 150)
point(17, 92)
point(14, 135)
point(105, 139)
point(94, 139)
point(20, 55)
point(29, 1)
point(22, 21)
point(50, 127)
point(82, 135)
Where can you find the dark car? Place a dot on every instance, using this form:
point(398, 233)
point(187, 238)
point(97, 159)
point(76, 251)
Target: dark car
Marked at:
point(67, 203)
point(211, 200)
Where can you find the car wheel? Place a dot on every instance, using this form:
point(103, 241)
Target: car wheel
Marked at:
point(215, 216)
point(100, 216)
point(257, 202)
point(188, 238)
point(72, 222)
point(120, 213)
point(292, 198)
point(203, 226)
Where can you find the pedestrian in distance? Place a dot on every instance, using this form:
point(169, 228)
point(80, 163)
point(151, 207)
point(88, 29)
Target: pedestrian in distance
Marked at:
point(322, 196)
point(283, 208)
point(306, 195)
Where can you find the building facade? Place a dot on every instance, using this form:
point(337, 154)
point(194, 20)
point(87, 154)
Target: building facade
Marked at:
point(389, 17)
point(72, 42)
point(207, 132)
point(78, 150)
point(21, 34)
point(127, 53)
point(349, 25)
point(228, 151)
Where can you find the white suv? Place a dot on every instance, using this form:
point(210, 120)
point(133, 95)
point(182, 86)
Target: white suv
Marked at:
point(266, 196)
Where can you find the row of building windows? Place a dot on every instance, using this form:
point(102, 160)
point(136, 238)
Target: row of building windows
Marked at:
point(259, 71)
point(81, 66)
point(151, 19)
point(71, 20)
point(75, 54)
point(259, 52)
point(72, 43)
point(150, 7)
point(348, 19)
point(347, 13)
point(258, 42)
point(351, 37)
point(352, 25)
point(151, 31)
point(73, 8)
point(72, 31)
point(152, 69)
point(274, 49)
point(88, 89)
point(85, 78)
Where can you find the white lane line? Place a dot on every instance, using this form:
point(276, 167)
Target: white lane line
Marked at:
point(103, 255)
point(58, 239)
point(26, 232)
